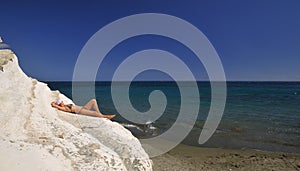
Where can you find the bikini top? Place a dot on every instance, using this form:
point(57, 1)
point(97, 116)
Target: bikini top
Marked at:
point(68, 107)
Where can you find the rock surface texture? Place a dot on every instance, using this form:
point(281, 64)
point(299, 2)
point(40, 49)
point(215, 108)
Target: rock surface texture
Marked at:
point(35, 136)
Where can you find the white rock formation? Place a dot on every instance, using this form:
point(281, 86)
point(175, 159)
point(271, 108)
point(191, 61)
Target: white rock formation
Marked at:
point(35, 136)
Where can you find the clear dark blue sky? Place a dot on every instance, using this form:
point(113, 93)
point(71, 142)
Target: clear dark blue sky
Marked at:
point(255, 39)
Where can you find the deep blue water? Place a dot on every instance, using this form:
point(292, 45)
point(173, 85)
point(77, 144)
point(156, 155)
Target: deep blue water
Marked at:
point(258, 115)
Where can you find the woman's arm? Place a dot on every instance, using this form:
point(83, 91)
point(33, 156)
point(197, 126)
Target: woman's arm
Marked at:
point(58, 107)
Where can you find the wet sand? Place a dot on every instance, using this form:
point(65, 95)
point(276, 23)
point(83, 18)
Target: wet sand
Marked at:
point(197, 158)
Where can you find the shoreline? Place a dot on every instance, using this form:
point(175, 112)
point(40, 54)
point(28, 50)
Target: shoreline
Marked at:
point(184, 157)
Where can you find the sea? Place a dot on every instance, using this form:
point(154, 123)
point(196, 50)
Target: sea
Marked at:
point(258, 115)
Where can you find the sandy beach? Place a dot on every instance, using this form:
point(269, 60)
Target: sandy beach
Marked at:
point(197, 158)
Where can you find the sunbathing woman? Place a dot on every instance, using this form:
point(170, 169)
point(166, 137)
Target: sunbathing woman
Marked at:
point(84, 110)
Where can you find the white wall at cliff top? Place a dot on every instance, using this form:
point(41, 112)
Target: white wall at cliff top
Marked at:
point(35, 136)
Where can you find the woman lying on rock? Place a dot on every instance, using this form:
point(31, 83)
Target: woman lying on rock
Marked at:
point(84, 110)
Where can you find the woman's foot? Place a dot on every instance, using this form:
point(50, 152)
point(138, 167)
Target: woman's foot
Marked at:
point(108, 116)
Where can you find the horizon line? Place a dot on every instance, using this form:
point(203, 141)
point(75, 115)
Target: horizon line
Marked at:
point(174, 81)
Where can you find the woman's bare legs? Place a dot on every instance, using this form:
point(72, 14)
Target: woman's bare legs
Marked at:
point(85, 110)
point(92, 104)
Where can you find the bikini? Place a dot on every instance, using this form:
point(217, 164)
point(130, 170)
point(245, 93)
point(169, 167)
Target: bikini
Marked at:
point(69, 106)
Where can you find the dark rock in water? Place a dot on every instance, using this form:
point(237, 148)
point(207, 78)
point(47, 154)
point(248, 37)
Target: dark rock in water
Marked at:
point(145, 130)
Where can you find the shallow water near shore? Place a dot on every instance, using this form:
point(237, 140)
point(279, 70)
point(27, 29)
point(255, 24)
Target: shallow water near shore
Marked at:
point(258, 115)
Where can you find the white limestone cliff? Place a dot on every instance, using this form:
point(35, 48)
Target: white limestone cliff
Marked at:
point(35, 136)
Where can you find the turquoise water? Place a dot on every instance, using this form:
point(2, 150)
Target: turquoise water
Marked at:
point(258, 115)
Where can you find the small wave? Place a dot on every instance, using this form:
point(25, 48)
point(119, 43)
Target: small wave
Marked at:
point(141, 130)
point(131, 126)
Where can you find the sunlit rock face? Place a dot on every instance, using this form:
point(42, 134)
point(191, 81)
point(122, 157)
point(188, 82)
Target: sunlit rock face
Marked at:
point(35, 136)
